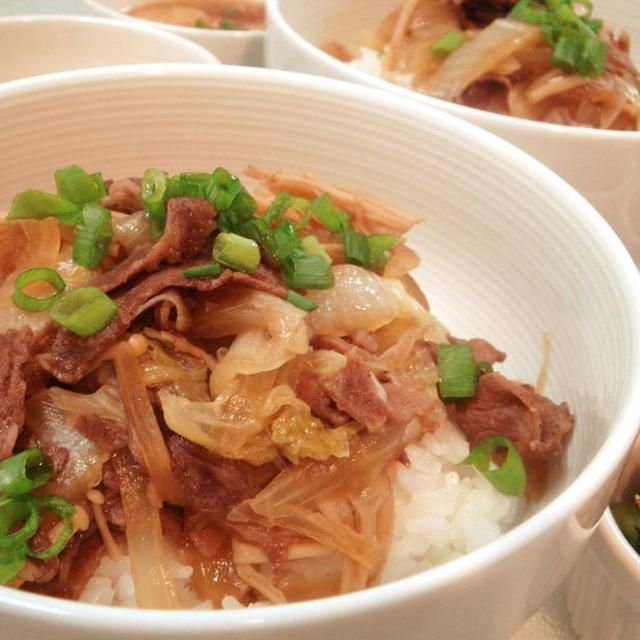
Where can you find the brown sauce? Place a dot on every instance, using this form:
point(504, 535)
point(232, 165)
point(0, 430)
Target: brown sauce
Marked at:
point(208, 14)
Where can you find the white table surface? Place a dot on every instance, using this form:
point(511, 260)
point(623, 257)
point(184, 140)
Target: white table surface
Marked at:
point(552, 621)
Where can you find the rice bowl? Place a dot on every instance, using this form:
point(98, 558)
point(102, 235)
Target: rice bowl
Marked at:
point(220, 114)
point(297, 33)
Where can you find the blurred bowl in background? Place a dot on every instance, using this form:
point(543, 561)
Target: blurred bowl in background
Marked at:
point(47, 44)
point(602, 165)
point(603, 590)
point(230, 46)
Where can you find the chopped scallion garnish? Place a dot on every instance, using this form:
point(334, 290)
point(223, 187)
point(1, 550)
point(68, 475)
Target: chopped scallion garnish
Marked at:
point(302, 270)
point(369, 251)
point(311, 245)
point(236, 252)
point(32, 203)
point(300, 301)
point(64, 510)
point(154, 195)
point(457, 371)
point(18, 520)
point(37, 274)
point(78, 186)
point(576, 47)
point(203, 271)
point(92, 236)
point(448, 43)
point(510, 477)
point(84, 311)
point(20, 511)
point(24, 471)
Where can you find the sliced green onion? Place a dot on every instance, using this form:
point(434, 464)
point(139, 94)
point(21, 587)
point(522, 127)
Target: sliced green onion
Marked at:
point(192, 185)
point(64, 510)
point(236, 252)
point(201, 24)
point(510, 477)
point(203, 271)
point(155, 190)
point(11, 563)
point(17, 510)
point(627, 517)
point(378, 245)
point(275, 211)
point(84, 311)
point(369, 251)
point(38, 204)
point(285, 240)
point(25, 471)
point(448, 43)
point(229, 25)
point(37, 274)
point(301, 270)
point(328, 214)
point(300, 301)
point(75, 184)
point(574, 41)
point(457, 371)
point(92, 236)
point(311, 245)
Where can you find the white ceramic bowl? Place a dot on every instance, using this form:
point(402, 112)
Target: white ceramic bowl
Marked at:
point(46, 44)
point(231, 47)
point(603, 165)
point(603, 590)
point(509, 251)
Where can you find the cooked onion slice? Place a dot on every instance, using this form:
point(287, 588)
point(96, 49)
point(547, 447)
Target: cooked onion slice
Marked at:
point(143, 423)
point(154, 587)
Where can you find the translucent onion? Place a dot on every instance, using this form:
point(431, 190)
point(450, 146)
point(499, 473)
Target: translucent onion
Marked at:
point(360, 299)
point(51, 426)
point(255, 352)
point(143, 423)
point(25, 244)
point(479, 55)
point(299, 498)
point(154, 587)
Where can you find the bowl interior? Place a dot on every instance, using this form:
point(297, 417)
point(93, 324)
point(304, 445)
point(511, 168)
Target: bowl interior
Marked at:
point(59, 43)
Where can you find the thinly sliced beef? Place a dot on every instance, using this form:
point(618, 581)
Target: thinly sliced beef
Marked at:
point(479, 13)
point(71, 357)
point(16, 351)
point(123, 195)
point(308, 388)
point(212, 484)
point(190, 222)
point(108, 435)
point(535, 425)
point(356, 391)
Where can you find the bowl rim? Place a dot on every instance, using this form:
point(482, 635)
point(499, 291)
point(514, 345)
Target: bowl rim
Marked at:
point(51, 610)
point(57, 20)
point(217, 34)
point(505, 123)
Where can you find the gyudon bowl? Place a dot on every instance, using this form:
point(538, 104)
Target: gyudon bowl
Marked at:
point(233, 30)
point(502, 58)
point(342, 508)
